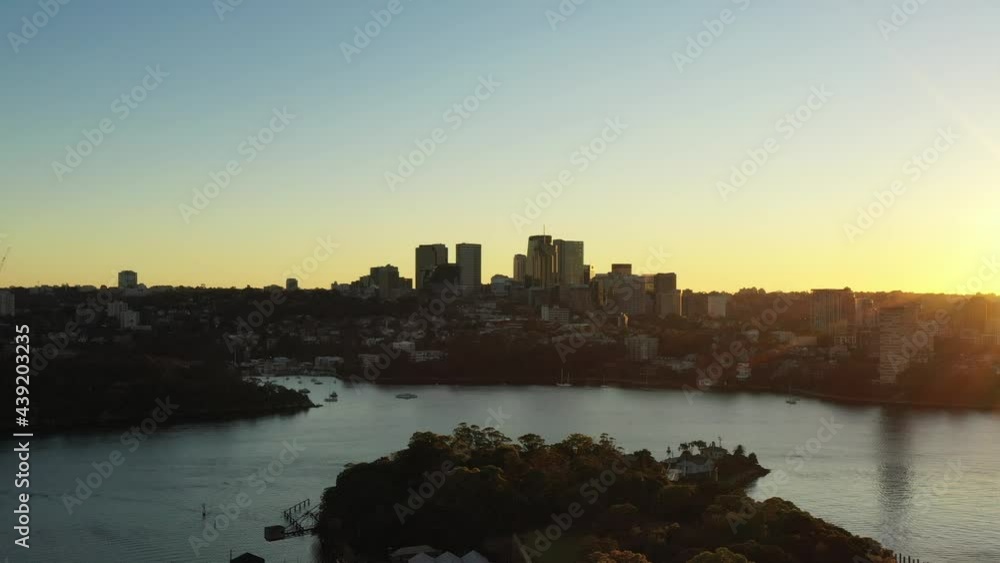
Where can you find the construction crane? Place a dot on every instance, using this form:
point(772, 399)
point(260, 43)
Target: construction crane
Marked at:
point(3, 262)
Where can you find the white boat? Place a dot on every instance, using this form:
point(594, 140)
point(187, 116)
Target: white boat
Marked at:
point(406, 396)
point(332, 397)
point(791, 400)
point(304, 390)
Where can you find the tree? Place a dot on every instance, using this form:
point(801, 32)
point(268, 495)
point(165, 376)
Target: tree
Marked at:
point(740, 451)
point(721, 555)
point(618, 556)
point(531, 442)
point(752, 458)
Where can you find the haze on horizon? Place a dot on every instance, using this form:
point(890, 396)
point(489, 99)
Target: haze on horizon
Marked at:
point(881, 101)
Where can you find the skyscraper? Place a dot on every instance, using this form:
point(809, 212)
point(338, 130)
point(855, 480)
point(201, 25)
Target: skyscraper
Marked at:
point(569, 262)
point(520, 267)
point(127, 279)
point(291, 284)
point(469, 258)
point(428, 257)
point(541, 264)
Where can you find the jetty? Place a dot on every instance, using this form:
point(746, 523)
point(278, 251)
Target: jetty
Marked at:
point(300, 519)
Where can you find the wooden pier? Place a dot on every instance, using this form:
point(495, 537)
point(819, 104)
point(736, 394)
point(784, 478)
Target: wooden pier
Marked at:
point(300, 519)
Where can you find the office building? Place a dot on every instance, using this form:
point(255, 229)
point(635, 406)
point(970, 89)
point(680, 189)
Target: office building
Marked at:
point(641, 348)
point(621, 269)
point(898, 346)
point(588, 273)
point(469, 258)
point(291, 284)
point(6, 304)
point(669, 303)
point(445, 277)
point(716, 306)
point(555, 314)
point(127, 279)
point(580, 298)
point(541, 263)
point(667, 300)
point(520, 267)
point(664, 283)
point(833, 311)
point(428, 257)
point(569, 262)
point(694, 305)
point(622, 293)
point(386, 281)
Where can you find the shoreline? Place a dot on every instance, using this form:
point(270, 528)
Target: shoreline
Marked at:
point(628, 384)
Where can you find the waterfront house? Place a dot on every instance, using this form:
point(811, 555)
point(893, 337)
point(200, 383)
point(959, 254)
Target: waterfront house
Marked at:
point(688, 466)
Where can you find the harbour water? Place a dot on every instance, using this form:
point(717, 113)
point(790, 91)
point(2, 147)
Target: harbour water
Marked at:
point(925, 483)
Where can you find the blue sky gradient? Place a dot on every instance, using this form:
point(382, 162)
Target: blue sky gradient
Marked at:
point(655, 187)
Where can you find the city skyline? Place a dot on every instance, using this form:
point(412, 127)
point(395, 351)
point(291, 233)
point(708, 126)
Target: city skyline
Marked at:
point(881, 176)
point(979, 280)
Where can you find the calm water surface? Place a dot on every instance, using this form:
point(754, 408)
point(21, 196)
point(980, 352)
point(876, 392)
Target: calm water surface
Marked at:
point(926, 483)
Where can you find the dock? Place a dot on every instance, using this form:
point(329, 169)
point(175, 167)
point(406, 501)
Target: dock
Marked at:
point(300, 519)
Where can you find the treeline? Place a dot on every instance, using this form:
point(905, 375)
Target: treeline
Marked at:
point(93, 390)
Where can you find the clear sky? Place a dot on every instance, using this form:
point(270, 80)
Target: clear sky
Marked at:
point(655, 185)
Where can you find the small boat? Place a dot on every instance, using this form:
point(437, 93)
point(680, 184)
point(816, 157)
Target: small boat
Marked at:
point(406, 396)
point(791, 400)
point(304, 390)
